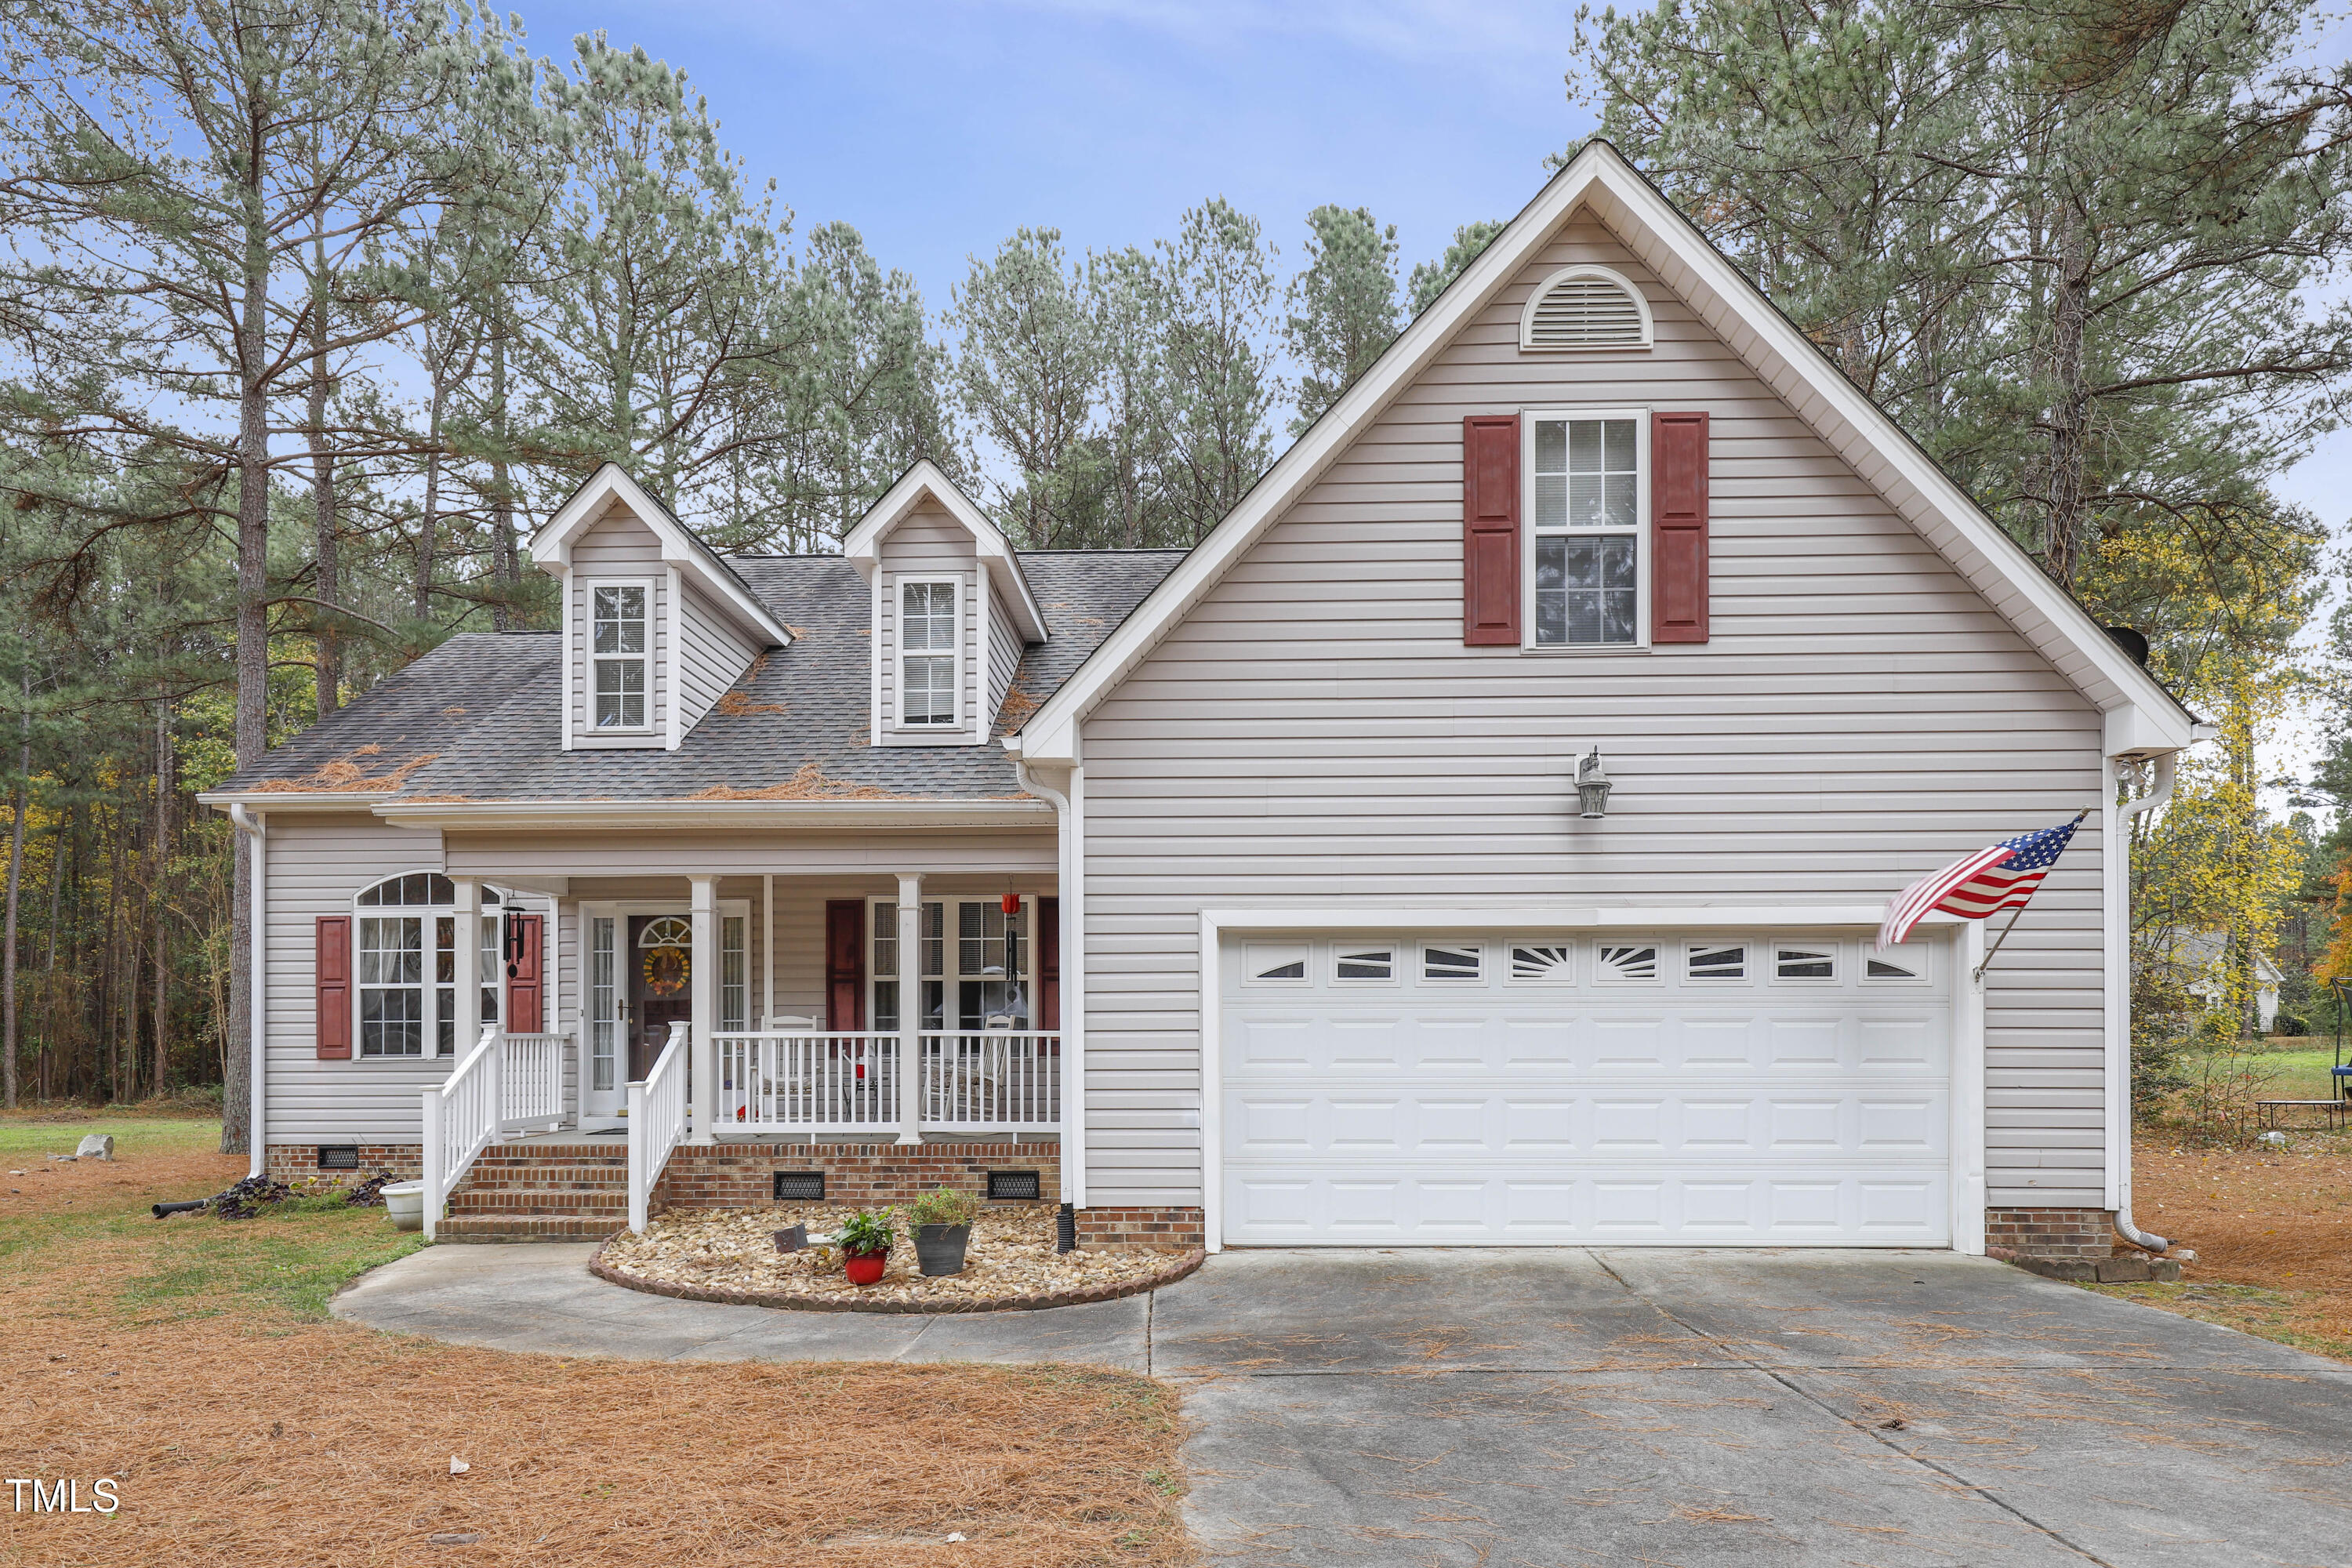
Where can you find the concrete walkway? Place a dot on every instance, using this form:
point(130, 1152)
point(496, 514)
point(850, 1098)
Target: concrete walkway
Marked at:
point(1564, 1407)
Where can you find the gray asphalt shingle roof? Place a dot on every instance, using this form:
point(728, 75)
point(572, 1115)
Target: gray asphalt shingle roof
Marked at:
point(479, 718)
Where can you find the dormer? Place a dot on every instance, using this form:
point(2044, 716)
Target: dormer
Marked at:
point(951, 613)
point(656, 625)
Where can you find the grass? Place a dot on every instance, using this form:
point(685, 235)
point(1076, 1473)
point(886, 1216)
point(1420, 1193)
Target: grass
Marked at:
point(196, 1360)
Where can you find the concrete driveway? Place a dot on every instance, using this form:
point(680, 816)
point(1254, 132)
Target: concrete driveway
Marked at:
point(1633, 1406)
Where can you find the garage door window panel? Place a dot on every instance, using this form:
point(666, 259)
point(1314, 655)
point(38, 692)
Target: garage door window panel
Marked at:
point(1714, 962)
point(1453, 963)
point(1626, 966)
point(1355, 963)
point(1543, 963)
point(1804, 962)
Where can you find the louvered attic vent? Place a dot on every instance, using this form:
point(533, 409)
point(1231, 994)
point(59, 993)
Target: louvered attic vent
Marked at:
point(1585, 307)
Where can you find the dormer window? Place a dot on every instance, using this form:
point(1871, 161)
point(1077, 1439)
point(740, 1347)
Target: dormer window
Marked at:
point(621, 656)
point(928, 644)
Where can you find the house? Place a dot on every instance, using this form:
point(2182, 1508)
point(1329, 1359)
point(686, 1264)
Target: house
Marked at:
point(2200, 958)
point(1248, 890)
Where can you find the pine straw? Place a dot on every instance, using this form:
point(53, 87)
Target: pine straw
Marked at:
point(2277, 1220)
point(257, 1437)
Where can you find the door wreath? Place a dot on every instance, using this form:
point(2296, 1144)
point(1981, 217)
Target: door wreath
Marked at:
point(665, 970)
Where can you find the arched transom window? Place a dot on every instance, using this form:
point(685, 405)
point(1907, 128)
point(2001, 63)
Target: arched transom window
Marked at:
point(402, 920)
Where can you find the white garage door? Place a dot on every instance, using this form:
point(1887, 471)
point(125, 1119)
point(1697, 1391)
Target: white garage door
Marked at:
point(1679, 1089)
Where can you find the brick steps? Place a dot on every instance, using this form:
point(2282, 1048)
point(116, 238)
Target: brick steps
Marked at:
point(541, 1192)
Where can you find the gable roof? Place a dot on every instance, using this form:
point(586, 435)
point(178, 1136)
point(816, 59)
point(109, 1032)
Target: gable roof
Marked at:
point(2142, 718)
point(925, 481)
point(551, 547)
point(470, 733)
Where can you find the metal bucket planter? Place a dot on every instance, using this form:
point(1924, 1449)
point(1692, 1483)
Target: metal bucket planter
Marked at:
point(939, 1248)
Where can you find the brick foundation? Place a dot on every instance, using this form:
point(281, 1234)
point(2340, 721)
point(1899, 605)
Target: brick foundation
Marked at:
point(289, 1160)
point(1141, 1227)
point(743, 1175)
point(2058, 1233)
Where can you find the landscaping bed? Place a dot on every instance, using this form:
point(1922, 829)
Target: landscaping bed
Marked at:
point(730, 1256)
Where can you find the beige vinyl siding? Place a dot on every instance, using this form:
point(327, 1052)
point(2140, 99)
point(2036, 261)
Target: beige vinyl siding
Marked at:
point(619, 548)
point(929, 544)
point(1316, 734)
point(711, 657)
point(1005, 647)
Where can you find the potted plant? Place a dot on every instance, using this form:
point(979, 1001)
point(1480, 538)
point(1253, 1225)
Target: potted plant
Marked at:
point(941, 1221)
point(865, 1241)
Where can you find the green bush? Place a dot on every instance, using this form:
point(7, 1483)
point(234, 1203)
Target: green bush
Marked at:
point(943, 1205)
point(2285, 1024)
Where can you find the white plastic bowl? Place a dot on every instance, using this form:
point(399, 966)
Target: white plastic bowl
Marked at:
point(404, 1202)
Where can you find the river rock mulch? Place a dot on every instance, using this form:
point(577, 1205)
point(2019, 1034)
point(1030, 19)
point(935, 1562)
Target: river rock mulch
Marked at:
point(730, 1256)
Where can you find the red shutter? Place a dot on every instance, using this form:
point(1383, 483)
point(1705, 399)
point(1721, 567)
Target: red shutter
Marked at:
point(845, 964)
point(1490, 530)
point(333, 1031)
point(1049, 964)
point(525, 991)
point(1678, 527)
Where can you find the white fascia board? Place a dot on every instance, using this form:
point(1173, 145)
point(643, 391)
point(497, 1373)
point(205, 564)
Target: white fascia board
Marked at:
point(672, 815)
point(862, 546)
point(551, 546)
point(1558, 917)
point(1754, 330)
point(293, 800)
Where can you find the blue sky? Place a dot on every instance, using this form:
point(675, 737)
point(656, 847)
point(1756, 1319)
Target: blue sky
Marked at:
point(937, 129)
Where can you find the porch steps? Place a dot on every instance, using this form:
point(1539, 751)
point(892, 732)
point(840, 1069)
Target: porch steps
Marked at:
point(541, 1192)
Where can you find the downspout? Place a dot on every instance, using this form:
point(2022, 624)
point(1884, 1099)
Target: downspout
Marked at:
point(1068, 848)
point(2118, 860)
point(257, 1005)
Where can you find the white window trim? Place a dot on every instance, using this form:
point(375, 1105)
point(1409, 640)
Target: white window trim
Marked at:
point(1529, 418)
point(953, 729)
point(882, 915)
point(589, 657)
point(619, 910)
point(493, 917)
point(1528, 343)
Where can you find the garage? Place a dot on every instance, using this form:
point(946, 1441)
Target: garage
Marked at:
point(1671, 1087)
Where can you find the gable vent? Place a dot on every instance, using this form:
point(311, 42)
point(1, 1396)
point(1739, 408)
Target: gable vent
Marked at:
point(1585, 307)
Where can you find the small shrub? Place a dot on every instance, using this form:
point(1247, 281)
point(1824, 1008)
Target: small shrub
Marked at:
point(866, 1231)
point(2285, 1023)
point(943, 1205)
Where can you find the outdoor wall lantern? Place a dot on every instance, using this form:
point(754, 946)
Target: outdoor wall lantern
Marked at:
point(1592, 786)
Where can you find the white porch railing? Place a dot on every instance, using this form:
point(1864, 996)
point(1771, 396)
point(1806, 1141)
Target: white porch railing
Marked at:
point(461, 1119)
point(533, 1080)
point(807, 1081)
point(991, 1081)
point(656, 1121)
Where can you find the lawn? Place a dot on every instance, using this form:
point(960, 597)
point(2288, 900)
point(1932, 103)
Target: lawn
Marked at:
point(194, 1359)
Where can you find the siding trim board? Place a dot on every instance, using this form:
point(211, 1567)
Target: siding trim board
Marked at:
point(1959, 943)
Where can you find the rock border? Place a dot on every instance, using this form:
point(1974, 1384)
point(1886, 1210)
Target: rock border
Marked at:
point(784, 1301)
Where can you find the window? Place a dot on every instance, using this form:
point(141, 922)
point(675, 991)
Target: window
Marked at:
point(734, 966)
point(1879, 968)
point(1804, 964)
point(1625, 964)
point(1544, 964)
point(398, 1009)
point(604, 1010)
point(926, 654)
point(1455, 962)
point(620, 656)
point(1275, 961)
point(1587, 509)
point(988, 962)
point(1711, 963)
point(1365, 963)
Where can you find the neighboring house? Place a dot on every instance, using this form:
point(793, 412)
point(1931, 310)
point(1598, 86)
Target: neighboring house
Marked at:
point(1246, 890)
point(2200, 958)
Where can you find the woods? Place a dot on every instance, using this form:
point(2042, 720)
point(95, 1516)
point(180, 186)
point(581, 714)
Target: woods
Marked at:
point(313, 311)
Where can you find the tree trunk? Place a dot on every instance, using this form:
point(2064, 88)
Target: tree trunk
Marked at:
point(322, 499)
point(505, 568)
point(429, 525)
point(2069, 520)
point(166, 786)
point(20, 802)
point(252, 651)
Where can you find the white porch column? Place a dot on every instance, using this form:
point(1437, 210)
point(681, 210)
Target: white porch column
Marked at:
point(703, 992)
point(910, 1007)
point(466, 1029)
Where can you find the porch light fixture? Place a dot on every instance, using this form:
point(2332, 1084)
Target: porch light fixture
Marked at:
point(1592, 786)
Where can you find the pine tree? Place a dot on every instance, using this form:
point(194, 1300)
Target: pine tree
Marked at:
point(1343, 308)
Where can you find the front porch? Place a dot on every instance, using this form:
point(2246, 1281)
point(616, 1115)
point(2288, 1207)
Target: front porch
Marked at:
point(756, 1021)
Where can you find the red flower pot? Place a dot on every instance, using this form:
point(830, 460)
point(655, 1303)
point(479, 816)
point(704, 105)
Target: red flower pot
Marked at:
point(865, 1267)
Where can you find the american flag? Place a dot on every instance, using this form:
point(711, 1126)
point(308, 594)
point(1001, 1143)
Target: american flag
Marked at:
point(2000, 877)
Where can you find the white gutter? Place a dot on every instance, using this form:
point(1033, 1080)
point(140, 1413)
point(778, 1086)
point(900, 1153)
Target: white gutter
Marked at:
point(2117, 862)
point(258, 988)
point(1069, 867)
point(461, 815)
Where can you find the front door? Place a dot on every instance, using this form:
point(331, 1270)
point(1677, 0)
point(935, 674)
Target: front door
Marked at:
point(661, 984)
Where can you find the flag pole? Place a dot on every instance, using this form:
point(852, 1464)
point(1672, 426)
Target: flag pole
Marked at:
point(2014, 915)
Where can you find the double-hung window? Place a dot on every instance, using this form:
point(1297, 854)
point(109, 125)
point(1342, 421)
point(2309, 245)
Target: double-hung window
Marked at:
point(620, 656)
point(1588, 499)
point(927, 655)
